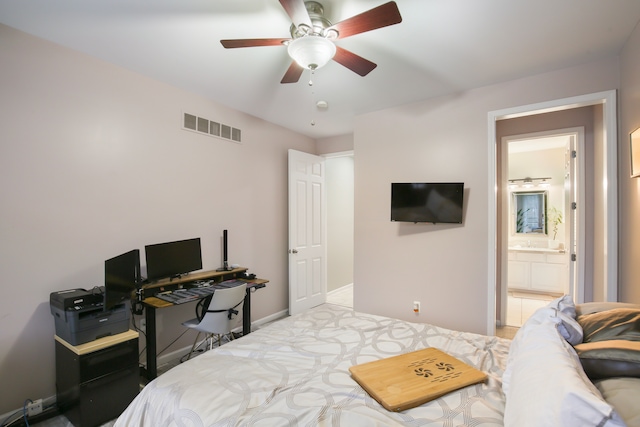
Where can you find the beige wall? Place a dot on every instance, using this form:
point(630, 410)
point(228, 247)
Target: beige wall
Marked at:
point(335, 144)
point(93, 163)
point(445, 139)
point(629, 188)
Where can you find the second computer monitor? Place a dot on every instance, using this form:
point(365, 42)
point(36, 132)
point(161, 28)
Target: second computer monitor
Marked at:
point(172, 259)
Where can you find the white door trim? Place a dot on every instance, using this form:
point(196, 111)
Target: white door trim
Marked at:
point(608, 100)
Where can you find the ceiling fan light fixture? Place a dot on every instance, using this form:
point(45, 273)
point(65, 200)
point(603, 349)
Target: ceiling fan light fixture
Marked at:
point(311, 52)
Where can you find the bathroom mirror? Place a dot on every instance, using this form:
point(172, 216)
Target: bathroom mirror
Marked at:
point(528, 212)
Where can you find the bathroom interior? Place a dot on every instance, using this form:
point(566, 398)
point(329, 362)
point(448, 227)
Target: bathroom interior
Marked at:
point(541, 185)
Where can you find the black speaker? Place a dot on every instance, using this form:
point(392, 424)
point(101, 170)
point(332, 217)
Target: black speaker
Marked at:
point(225, 261)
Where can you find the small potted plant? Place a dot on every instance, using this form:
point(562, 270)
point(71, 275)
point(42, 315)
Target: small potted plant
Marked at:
point(520, 220)
point(554, 219)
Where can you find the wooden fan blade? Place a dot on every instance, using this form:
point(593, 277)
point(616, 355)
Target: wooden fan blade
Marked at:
point(297, 11)
point(293, 73)
point(378, 17)
point(355, 63)
point(231, 44)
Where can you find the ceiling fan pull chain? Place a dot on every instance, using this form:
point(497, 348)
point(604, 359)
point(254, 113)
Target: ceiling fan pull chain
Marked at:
point(311, 73)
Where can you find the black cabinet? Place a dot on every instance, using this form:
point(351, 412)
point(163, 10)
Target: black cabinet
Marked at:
point(96, 381)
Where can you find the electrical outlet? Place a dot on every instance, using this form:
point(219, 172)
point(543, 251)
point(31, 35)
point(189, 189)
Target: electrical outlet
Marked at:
point(34, 408)
point(416, 307)
point(143, 324)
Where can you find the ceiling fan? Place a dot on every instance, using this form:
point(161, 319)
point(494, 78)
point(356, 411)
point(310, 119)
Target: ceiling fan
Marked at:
point(311, 44)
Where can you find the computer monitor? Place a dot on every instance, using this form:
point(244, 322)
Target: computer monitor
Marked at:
point(173, 259)
point(121, 278)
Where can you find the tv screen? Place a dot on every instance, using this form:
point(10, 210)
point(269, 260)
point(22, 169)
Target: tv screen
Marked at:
point(173, 259)
point(427, 202)
point(121, 278)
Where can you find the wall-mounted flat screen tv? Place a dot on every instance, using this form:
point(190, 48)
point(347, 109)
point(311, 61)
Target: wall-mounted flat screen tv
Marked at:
point(121, 278)
point(434, 202)
point(173, 259)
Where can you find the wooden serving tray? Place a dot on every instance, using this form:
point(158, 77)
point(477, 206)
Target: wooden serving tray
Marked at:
point(411, 379)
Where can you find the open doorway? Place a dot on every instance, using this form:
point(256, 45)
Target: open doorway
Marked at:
point(544, 228)
point(339, 172)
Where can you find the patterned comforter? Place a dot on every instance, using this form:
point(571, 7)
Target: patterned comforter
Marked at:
point(295, 372)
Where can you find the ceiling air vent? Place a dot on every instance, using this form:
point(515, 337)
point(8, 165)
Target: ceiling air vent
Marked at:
point(214, 128)
point(190, 121)
point(236, 135)
point(203, 125)
point(209, 127)
point(226, 132)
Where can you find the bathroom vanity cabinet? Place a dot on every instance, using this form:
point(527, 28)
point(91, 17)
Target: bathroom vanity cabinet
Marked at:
point(541, 270)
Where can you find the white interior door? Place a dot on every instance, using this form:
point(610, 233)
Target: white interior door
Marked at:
point(307, 232)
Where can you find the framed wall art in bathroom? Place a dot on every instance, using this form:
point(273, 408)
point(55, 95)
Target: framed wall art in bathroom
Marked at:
point(634, 152)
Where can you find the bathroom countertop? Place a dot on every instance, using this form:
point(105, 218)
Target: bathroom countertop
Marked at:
point(532, 249)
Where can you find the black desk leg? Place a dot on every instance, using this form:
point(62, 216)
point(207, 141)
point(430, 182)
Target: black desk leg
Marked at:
point(152, 363)
point(246, 313)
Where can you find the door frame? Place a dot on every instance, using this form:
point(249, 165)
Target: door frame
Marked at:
point(331, 213)
point(608, 100)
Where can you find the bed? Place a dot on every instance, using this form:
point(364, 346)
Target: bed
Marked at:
point(295, 372)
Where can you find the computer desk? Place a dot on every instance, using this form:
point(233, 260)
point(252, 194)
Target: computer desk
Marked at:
point(152, 303)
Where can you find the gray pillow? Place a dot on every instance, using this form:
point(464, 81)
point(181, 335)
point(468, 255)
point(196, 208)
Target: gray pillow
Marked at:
point(611, 358)
point(594, 307)
point(616, 324)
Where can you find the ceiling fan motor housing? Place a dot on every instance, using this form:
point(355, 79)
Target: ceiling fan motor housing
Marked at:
point(319, 23)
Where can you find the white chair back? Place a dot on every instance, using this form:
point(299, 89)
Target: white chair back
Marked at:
point(215, 321)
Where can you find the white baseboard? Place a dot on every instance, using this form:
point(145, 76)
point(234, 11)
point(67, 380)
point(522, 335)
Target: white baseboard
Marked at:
point(271, 318)
point(340, 289)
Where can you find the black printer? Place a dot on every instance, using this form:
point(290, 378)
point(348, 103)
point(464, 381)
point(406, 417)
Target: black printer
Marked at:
point(80, 316)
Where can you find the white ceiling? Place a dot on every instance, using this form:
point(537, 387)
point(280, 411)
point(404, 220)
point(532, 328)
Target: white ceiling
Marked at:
point(441, 47)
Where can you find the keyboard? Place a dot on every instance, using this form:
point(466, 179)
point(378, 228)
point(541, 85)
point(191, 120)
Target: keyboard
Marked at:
point(179, 296)
point(231, 283)
point(202, 290)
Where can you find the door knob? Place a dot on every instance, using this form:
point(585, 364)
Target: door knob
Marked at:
point(293, 251)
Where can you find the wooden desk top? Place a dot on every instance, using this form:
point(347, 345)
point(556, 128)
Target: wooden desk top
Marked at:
point(202, 275)
point(192, 277)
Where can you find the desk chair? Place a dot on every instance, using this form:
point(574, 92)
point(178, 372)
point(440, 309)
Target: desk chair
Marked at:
point(218, 314)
